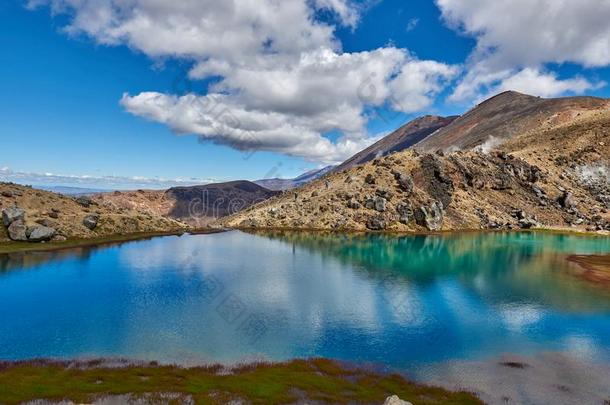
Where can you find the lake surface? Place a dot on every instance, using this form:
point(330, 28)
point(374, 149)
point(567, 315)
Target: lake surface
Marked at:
point(404, 302)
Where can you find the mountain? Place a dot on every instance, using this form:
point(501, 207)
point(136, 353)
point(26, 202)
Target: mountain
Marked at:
point(404, 137)
point(514, 161)
point(287, 184)
point(71, 191)
point(194, 205)
point(204, 203)
point(506, 115)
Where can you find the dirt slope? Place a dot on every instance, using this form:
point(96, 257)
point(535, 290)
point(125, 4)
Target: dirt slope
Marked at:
point(552, 172)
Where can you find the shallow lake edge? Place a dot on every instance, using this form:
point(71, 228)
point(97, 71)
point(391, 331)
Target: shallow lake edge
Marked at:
point(317, 379)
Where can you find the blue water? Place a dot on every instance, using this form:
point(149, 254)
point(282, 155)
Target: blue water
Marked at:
point(397, 301)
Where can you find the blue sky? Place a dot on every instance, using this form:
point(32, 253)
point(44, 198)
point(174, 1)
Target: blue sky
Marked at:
point(104, 92)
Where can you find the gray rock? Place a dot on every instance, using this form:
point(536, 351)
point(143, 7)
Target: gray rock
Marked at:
point(405, 211)
point(528, 223)
point(384, 192)
point(53, 215)
point(369, 179)
point(395, 400)
point(90, 221)
point(7, 194)
point(84, 201)
point(430, 216)
point(405, 182)
point(59, 238)
point(376, 224)
point(17, 231)
point(380, 204)
point(40, 233)
point(11, 214)
point(566, 200)
point(353, 204)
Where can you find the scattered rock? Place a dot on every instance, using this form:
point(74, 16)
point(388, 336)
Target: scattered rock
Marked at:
point(380, 204)
point(405, 182)
point(384, 192)
point(430, 216)
point(17, 230)
point(369, 179)
point(53, 214)
point(84, 201)
point(11, 214)
point(59, 238)
point(566, 200)
point(405, 212)
point(353, 204)
point(7, 194)
point(90, 221)
point(376, 223)
point(40, 233)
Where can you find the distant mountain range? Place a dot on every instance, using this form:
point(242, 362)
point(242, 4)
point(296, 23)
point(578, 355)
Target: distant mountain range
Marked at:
point(287, 184)
point(73, 191)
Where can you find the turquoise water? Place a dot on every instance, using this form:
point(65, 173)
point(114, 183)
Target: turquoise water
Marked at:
point(402, 302)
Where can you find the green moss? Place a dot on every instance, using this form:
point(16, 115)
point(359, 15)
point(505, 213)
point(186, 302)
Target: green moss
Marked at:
point(319, 380)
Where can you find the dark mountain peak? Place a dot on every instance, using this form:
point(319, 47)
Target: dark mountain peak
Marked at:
point(404, 137)
point(504, 116)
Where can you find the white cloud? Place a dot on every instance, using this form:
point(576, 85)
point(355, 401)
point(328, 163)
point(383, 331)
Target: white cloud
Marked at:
point(284, 79)
point(412, 24)
point(481, 84)
point(98, 182)
point(517, 38)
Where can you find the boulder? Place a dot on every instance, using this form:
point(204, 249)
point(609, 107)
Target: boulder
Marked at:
point(84, 201)
point(90, 221)
point(405, 212)
point(395, 400)
point(380, 204)
point(353, 204)
point(376, 223)
point(405, 182)
point(384, 192)
point(11, 214)
point(40, 233)
point(7, 194)
point(17, 231)
point(430, 216)
point(566, 200)
point(528, 223)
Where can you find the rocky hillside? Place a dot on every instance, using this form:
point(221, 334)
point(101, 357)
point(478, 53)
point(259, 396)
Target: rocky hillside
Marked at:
point(404, 137)
point(194, 205)
point(550, 169)
point(37, 216)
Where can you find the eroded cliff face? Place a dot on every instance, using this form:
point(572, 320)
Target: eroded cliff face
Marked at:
point(551, 177)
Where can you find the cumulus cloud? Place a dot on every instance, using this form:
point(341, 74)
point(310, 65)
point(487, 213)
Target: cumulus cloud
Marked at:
point(517, 38)
point(481, 84)
point(283, 80)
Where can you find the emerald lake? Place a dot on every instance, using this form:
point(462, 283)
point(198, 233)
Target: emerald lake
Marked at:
point(403, 302)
